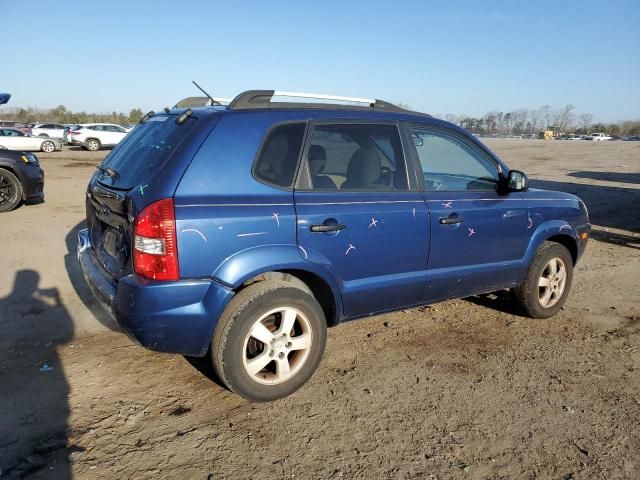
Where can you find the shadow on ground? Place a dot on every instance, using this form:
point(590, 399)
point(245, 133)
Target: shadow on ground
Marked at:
point(33, 419)
point(609, 207)
point(620, 177)
point(205, 367)
point(501, 301)
point(76, 277)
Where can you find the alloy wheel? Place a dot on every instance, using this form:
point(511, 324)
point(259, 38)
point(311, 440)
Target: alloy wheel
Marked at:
point(7, 192)
point(277, 346)
point(552, 282)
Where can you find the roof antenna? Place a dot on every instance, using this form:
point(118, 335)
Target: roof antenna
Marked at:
point(213, 102)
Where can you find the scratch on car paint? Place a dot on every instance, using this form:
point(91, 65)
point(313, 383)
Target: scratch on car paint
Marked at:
point(275, 215)
point(447, 204)
point(471, 232)
point(251, 234)
point(530, 222)
point(194, 231)
point(414, 212)
point(304, 252)
point(349, 248)
point(141, 189)
point(374, 223)
point(565, 226)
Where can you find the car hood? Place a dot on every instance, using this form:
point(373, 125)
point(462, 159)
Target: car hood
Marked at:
point(538, 193)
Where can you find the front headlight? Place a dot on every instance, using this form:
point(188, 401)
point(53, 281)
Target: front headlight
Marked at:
point(30, 158)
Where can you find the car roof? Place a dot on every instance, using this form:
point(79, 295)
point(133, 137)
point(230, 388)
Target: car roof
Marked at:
point(308, 114)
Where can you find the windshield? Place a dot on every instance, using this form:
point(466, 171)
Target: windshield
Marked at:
point(144, 150)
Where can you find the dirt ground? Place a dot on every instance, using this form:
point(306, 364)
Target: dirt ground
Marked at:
point(463, 389)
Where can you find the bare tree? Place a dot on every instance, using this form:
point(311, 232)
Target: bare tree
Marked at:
point(490, 122)
point(565, 117)
point(535, 119)
point(520, 120)
point(546, 115)
point(585, 120)
point(449, 117)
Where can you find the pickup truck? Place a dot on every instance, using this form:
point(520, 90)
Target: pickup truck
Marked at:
point(598, 137)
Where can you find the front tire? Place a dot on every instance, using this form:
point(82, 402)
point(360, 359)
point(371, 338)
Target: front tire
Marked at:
point(48, 147)
point(10, 191)
point(269, 340)
point(93, 145)
point(546, 286)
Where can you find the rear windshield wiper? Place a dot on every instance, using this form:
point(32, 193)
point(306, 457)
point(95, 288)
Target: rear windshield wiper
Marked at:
point(109, 172)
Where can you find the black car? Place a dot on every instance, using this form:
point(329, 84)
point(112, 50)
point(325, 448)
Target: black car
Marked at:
point(21, 179)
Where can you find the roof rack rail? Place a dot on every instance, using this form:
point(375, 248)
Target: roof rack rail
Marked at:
point(193, 102)
point(264, 99)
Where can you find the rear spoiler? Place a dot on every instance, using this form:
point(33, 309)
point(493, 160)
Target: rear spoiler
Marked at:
point(4, 98)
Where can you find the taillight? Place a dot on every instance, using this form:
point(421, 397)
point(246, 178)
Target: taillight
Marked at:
point(155, 250)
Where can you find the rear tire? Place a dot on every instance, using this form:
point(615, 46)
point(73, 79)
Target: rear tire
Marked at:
point(10, 191)
point(93, 145)
point(546, 286)
point(269, 340)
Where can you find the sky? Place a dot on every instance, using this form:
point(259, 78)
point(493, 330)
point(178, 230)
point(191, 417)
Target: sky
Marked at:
point(459, 57)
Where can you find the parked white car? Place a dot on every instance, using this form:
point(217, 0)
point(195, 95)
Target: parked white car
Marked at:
point(598, 137)
point(52, 130)
point(16, 140)
point(94, 136)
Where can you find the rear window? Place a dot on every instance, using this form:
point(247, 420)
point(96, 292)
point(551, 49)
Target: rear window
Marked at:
point(144, 150)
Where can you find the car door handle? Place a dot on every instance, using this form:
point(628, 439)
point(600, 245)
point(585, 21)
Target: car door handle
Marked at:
point(451, 220)
point(328, 227)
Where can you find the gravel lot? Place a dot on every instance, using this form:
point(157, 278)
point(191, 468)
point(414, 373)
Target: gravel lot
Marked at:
point(462, 389)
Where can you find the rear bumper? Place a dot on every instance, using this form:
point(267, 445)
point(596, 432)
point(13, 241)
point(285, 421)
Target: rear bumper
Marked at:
point(173, 317)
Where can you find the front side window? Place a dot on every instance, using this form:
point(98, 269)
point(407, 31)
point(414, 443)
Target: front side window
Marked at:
point(451, 164)
point(278, 158)
point(356, 157)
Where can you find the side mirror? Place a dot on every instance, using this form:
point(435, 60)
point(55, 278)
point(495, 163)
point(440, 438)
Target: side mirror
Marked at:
point(517, 181)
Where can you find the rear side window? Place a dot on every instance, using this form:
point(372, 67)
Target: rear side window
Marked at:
point(278, 158)
point(144, 150)
point(356, 157)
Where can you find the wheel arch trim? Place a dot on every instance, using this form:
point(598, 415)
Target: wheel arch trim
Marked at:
point(559, 231)
point(247, 264)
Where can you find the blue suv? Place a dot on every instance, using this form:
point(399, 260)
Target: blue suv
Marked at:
point(242, 231)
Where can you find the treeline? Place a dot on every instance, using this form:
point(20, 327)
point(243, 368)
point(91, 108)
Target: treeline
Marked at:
point(524, 120)
point(60, 114)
